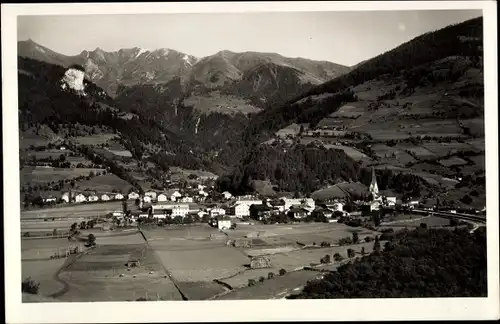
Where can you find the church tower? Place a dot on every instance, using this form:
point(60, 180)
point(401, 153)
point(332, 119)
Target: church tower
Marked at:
point(373, 186)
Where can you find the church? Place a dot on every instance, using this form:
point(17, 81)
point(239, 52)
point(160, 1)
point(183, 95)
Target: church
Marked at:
point(378, 199)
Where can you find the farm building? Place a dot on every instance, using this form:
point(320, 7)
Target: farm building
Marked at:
point(260, 212)
point(335, 206)
point(117, 213)
point(49, 200)
point(151, 194)
point(217, 211)
point(162, 197)
point(118, 196)
point(260, 262)
point(93, 198)
point(224, 223)
point(203, 193)
point(143, 215)
point(133, 195)
point(105, 197)
point(298, 213)
point(147, 199)
point(186, 199)
point(290, 202)
point(133, 263)
point(66, 197)
point(227, 195)
point(327, 212)
point(80, 198)
point(173, 194)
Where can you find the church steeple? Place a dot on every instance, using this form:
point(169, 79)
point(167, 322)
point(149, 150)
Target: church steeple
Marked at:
point(373, 186)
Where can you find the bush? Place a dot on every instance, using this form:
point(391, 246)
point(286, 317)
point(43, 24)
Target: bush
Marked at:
point(282, 272)
point(337, 257)
point(368, 239)
point(30, 286)
point(351, 253)
point(270, 275)
point(326, 259)
point(251, 282)
point(261, 279)
point(325, 244)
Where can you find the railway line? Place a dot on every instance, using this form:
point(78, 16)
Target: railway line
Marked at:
point(474, 218)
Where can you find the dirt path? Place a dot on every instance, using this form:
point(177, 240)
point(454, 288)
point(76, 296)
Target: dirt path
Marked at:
point(69, 261)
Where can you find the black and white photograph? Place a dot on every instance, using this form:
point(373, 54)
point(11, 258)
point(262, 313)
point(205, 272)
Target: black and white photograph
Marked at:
point(157, 155)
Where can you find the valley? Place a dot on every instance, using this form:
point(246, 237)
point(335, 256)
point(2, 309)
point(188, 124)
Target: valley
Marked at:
point(158, 175)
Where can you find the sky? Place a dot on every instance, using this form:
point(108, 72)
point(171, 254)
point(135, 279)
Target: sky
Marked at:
point(341, 37)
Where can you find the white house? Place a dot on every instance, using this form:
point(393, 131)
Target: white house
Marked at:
point(147, 199)
point(105, 197)
point(374, 205)
point(227, 195)
point(80, 198)
point(242, 207)
point(162, 197)
point(50, 200)
point(117, 213)
point(176, 209)
point(65, 197)
point(143, 215)
point(336, 206)
point(186, 199)
point(151, 194)
point(224, 223)
point(391, 201)
point(307, 203)
point(203, 193)
point(159, 216)
point(93, 198)
point(118, 196)
point(133, 195)
point(173, 194)
point(217, 211)
point(201, 187)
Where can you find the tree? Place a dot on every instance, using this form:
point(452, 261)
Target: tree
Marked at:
point(30, 286)
point(178, 220)
point(205, 218)
point(270, 275)
point(351, 253)
point(368, 239)
point(363, 252)
point(376, 245)
point(251, 282)
point(73, 227)
point(388, 246)
point(423, 225)
point(124, 206)
point(91, 240)
point(355, 238)
point(326, 259)
point(54, 232)
point(337, 257)
point(83, 225)
point(261, 279)
point(282, 272)
point(137, 202)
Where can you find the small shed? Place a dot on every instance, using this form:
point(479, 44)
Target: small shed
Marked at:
point(260, 262)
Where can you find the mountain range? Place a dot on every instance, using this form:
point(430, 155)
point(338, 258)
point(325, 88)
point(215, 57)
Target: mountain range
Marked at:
point(136, 66)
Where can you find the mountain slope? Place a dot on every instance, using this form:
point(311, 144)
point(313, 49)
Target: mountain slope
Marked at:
point(417, 109)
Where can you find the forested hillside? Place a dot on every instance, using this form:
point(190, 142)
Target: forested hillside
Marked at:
point(419, 263)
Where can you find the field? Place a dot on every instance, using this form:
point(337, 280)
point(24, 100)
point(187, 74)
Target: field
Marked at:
point(351, 152)
point(102, 275)
point(32, 175)
point(431, 221)
point(104, 183)
point(74, 211)
point(53, 153)
point(216, 102)
point(452, 161)
point(387, 152)
point(95, 139)
point(179, 173)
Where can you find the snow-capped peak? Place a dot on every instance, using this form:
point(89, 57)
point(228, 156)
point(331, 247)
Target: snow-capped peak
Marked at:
point(186, 59)
point(141, 51)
